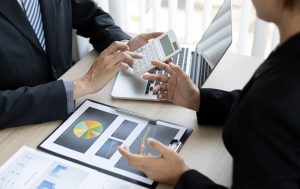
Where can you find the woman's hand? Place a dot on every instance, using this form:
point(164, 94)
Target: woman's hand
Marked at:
point(177, 87)
point(112, 60)
point(166, 168)
point(141, 40)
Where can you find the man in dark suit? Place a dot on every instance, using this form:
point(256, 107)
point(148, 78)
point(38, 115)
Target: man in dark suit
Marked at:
point(35, 50)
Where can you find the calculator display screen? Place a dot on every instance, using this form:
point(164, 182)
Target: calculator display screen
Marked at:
point(166, 44)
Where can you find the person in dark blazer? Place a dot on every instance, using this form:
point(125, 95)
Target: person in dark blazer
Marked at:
point(35, 50)
point(261, 122)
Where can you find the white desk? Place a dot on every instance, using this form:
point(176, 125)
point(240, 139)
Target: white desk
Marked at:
point(204, 150)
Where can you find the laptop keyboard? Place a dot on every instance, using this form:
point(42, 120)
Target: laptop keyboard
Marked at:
point(181, 59)
point(198, 70)
point(152, 84)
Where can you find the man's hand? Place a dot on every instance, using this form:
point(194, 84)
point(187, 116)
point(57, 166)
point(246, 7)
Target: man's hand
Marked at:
point(112, 60)
point(141, 40)
point(166, 168)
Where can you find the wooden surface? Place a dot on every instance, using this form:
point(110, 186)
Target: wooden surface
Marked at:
point(203, 151)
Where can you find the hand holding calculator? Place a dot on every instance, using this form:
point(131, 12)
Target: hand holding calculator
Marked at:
point(162, 49)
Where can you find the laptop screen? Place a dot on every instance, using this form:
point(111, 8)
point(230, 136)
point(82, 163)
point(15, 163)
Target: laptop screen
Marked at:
point(218, 36)
point(210, 49)
point(213, 45)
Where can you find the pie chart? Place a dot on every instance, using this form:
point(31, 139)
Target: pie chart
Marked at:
point(88, 129)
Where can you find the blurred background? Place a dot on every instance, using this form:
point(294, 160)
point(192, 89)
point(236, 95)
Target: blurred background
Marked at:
point(189, 19)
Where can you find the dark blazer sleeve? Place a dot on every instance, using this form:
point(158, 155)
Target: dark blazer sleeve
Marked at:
point(194, 179)
point(215, 105)
point(31, 105)
point(91, 21)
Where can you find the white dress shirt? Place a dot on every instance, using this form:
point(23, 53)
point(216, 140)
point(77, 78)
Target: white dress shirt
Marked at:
point(20, 2)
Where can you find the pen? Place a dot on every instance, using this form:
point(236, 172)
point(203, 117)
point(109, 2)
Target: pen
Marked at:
point(175, 145)
point(134, 114)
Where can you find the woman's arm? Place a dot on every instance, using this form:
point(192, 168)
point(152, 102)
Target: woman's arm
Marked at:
point(212, 105)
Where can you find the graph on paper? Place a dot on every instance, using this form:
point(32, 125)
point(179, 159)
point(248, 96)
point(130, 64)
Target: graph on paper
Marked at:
point(108, 149)
point(161, 133)
point(124, 130)
point(10, 178)
point(149, 133)
point(60, 176)
point(22, 171)
point(87, 128)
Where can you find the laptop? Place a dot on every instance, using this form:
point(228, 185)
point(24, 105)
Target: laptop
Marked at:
point(198, 62)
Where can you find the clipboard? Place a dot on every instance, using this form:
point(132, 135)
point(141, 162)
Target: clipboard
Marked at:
point(91, 135)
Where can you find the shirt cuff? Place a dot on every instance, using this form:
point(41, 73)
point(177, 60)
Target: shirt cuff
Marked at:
point(69, 87)
point(125, 40)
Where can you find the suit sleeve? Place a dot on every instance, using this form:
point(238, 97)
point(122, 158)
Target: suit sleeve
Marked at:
point(91, 21)
point(194, 179)
point(31, 105)
point(215, 106)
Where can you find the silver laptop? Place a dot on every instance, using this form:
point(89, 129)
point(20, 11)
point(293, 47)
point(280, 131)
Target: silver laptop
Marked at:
point(198, 62)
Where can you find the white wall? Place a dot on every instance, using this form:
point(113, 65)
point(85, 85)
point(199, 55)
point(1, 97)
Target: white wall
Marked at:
point(189, 18)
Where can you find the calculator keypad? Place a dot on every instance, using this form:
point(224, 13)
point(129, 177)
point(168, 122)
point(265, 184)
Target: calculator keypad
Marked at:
point(140, 66)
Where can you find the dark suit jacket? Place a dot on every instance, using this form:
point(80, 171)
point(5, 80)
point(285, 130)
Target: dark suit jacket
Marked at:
point(28, 90)
point(262, 129)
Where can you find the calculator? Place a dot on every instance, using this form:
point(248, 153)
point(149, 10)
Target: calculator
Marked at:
point(161, 49)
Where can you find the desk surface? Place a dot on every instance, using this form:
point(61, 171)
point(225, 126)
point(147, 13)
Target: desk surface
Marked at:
point(203, 151)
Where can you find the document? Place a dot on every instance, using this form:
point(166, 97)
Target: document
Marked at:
point(92, 134)
point(31, 169)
